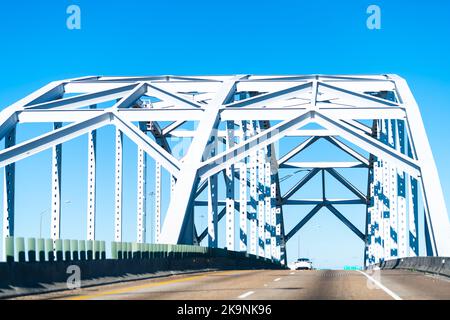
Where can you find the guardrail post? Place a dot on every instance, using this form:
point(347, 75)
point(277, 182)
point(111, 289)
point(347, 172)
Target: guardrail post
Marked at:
point(102, 250)
point(31, 250)
point(89, 249)
point(20, 247)
point(82, 244)
point(120, 250)
point(67, 255)
point(97, 250)
point(129, 250)
point(135, 250)
point(114, 250)
point(9, 249)
point(49, 248)
point(59, 249)
point(74, 247)
point(41, 249)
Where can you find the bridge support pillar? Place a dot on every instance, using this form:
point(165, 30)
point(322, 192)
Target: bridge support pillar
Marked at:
point(118, 187)
point(56, 188)
point(9, 178)
point(141, 192)
point(92, 149)
point(229, 182)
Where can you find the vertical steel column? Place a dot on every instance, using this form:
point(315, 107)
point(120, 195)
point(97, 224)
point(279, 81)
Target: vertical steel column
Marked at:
point(378, 203)
point(141, 194)
point(56, 188)
point(393, 199)
point(229, 182)
point(273, 214)
point(118, 187)
point(386, 196)
point(212, 196)
point(243, 206)
point(268, 207)
point(9, 179)
point(413, 215)
point(243, 213)
point(370, 227)
point(92, 146)
point(158, 200)
point(253, 198)
point(260, 161)
point(401, 200)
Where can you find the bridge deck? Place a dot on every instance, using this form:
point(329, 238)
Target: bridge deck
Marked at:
point(272, 284)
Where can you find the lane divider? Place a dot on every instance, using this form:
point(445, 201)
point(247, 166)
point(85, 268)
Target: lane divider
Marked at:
point(277, 279)
point(245, 295)
point(389, 292)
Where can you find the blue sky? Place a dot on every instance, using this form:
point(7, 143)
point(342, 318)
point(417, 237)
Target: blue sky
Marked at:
point(216, 37)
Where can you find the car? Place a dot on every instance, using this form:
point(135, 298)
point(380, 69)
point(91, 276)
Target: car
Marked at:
point(303, 264)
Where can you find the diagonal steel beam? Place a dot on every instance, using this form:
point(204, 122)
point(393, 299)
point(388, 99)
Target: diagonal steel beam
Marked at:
point(84, 100)
point(169, 162)
point(259, 141)
point(348, 150)
point(300, 225)
point(347, 222)
point(48, 140)
point(347, 184)
point(298, 149)
point(165, 95)
point(370, 144)
point(300, 184)
point(176, 228)
point(264, 99)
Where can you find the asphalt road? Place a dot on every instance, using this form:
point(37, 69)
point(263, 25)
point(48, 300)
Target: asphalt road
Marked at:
point(272, 285)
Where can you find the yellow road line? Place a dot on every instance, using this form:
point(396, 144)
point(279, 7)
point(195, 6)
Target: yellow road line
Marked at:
point(145, 286)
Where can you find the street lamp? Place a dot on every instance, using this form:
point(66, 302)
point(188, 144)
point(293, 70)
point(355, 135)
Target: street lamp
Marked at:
point(42, 215)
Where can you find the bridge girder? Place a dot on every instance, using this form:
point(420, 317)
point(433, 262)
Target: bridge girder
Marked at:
point(276, 107)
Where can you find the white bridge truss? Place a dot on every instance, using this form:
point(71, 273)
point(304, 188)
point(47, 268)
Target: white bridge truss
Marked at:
point(238, 122)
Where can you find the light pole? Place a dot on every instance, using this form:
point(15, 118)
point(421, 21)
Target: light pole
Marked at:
point(42, 215)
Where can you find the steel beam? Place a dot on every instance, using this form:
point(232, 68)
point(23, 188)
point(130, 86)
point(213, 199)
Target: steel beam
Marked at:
point(56, 188)
point(91, 184)
point(229, 184)
point(346, 222)
point(141, 193)
point(9, 178)
point(118, 186)
point(175, 228)
point(434, 202)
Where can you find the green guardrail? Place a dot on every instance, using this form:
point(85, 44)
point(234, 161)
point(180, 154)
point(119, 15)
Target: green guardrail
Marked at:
point(39, 250)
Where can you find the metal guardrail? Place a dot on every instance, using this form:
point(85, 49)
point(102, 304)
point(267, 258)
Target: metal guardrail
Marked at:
point(435, 265)
point(48, 250)
point(40, 250)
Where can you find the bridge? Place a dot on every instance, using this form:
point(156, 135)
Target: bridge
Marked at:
point(223, 145)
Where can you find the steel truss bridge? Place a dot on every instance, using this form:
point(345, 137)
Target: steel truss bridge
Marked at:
point(231, 125)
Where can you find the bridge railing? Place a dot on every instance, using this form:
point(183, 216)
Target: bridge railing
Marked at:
point(20, 249)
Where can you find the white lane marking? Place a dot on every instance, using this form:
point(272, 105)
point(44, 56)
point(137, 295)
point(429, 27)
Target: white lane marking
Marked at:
point(292, 273)
point(277, 279)
point(245, 295)
point(389, 292)
point(265, 284)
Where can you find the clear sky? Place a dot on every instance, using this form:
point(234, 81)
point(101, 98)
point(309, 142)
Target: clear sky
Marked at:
point(137, 37)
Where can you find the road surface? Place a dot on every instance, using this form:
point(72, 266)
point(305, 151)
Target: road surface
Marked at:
point(271, 285)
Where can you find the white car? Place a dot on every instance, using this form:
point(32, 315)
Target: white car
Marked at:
point(303, 264)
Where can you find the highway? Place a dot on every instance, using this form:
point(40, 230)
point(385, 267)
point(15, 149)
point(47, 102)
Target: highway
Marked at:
point(270, 285)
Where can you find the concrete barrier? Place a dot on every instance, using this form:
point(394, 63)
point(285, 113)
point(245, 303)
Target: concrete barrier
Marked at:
point(434, 265)
point(129, 261)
